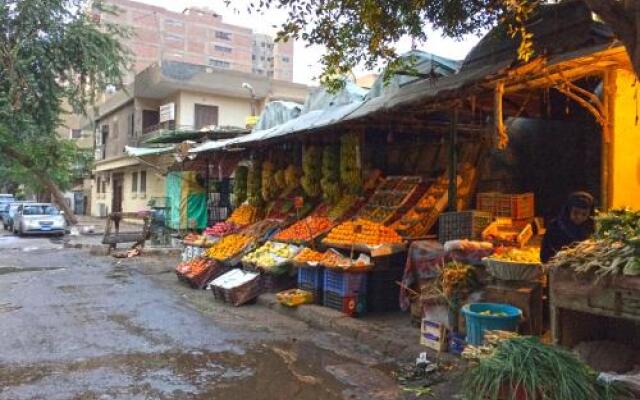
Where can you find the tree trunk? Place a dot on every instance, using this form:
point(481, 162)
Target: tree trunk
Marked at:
point(623, 17)
point(58, 198)
point(44, 179)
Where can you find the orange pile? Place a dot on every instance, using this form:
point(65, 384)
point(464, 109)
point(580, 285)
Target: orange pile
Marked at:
point(305, 229)
point(229, 246)
point(370, 233)
point(244, 215)
point(308, 255)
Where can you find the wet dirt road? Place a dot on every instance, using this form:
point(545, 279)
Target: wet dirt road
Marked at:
point(74, 326)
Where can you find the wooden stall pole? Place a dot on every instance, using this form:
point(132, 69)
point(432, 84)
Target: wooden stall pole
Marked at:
point(453, 162)
point(608, 95)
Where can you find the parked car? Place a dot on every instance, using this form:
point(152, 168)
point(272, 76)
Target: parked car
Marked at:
point(5, 200)
point(38, 218)
point(10, 215)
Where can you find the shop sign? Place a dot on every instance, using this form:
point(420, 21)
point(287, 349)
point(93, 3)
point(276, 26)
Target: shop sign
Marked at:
point(251, 120)
point(167, 112)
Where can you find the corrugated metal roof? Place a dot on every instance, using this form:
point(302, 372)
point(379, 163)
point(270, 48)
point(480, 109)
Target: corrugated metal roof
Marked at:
point(147, 151)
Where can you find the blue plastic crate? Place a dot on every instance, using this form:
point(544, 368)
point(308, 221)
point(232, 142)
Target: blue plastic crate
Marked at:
point(311, 277)
point(345, 283)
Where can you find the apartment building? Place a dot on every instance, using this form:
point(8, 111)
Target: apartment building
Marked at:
point(169, 95)
point(197, 36)
point(272, 59)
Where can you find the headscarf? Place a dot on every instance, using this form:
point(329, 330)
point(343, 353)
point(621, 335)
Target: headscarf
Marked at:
point(577, 233)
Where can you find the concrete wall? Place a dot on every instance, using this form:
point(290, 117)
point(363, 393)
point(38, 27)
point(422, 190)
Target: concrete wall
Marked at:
point(626, 143)
point(131, 201)
point(231, 111)
point(118, 130)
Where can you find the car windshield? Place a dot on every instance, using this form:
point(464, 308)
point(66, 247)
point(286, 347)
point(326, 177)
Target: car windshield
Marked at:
point(40, 210)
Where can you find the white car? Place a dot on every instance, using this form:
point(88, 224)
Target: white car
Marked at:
point(39, 218)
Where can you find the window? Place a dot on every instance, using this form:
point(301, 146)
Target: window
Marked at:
point(173, 39)
point(134, 182)
point(98, 185)
point(261, 58)
point(40, 210)
point(205, 115)
point(143, 181)
point(219, 63)
point(285, 59)
point(76, 133)
point(262, 44)
point(104, 186)
point(173, 22)
point(253, 57)
point(223, 35)
point(130, 124)
point(223, 49)
point(150, 120)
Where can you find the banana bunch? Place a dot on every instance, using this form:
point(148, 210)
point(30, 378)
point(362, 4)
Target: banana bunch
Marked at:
point(349, 168)
point(279, 178)
point(291, 177)
point(330, 174)
point(240, 184)
point(311, 170)
point(269, 187)
point(254, 181)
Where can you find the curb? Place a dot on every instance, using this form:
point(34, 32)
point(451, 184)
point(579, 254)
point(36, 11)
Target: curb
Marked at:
point(364, 332)
point(102, 250)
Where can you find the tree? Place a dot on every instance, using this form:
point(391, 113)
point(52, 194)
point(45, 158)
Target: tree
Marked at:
point(51, 51)
point(364, 31)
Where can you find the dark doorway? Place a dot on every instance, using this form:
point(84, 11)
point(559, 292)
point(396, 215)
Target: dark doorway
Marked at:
point(205, 116)
point(117, 185)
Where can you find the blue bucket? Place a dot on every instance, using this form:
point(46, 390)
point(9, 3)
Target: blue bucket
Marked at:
point(478, 324)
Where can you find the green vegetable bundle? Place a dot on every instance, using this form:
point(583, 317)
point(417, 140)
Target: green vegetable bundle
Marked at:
point(524, 368)
point(240, 184)
point(615, 249)
point(618, 224)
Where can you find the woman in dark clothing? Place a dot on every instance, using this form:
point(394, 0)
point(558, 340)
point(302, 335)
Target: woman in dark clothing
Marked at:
point(574, 224)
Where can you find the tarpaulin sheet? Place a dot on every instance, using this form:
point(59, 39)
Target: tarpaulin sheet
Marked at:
point(188, 201)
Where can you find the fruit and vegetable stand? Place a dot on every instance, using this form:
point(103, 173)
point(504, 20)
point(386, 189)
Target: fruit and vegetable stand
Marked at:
point(597, 284)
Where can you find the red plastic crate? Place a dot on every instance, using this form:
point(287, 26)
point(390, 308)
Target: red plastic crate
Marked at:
point(516, 206)
point(349, 305)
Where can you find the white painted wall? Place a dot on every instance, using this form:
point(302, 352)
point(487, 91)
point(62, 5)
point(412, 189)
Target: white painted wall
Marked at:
point(231, 111)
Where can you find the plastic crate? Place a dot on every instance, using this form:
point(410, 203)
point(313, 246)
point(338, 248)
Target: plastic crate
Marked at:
point(349, 305)
point(463, 225)
point(276, 283)
point(345, 283)
point(311, 277)
point(516, 206)
point(318, 295)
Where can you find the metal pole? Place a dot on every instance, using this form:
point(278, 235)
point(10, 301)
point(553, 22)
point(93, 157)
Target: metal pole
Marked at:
point(453, 161)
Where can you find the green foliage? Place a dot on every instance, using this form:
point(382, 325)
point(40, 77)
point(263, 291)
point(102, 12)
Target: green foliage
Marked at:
point(364, 32)
point(50, 51)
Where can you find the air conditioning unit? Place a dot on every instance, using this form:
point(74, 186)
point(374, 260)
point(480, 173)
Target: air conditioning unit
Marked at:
point(102, 210)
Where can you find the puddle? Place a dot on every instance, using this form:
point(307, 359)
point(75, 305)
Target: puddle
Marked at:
point(13, 270)
point(298, 371)
point(8, 307)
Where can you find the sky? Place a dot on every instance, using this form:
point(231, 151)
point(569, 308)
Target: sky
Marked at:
point(306, 66)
